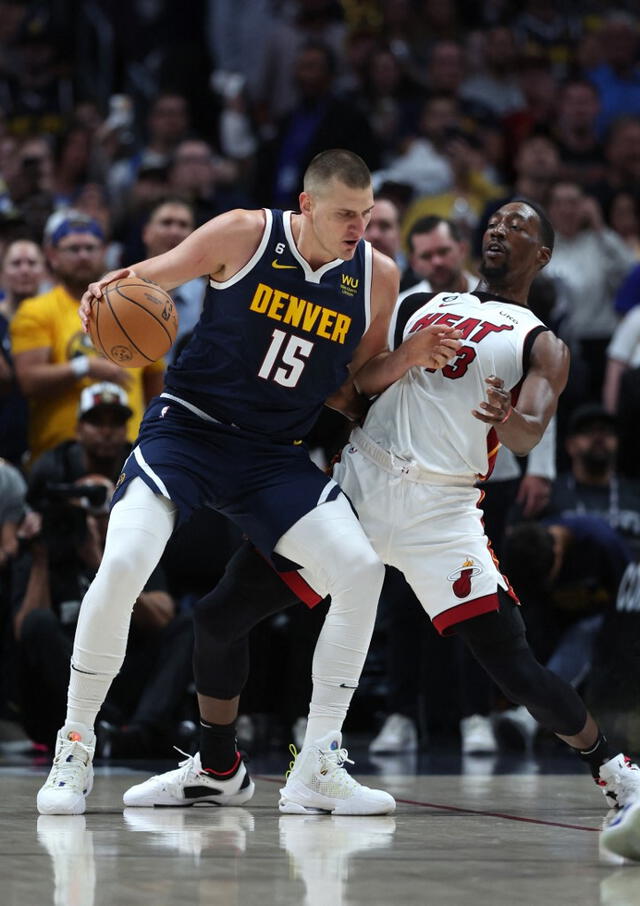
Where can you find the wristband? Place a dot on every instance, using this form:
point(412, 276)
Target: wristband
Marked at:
point(507, 416)
point(80, 366)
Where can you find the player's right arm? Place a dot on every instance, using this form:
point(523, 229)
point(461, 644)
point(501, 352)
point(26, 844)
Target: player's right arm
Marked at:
point(219, 248)
point(520, 428)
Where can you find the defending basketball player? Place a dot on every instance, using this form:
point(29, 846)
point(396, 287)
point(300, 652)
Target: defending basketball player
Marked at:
point(296, 303)
point(410, 471)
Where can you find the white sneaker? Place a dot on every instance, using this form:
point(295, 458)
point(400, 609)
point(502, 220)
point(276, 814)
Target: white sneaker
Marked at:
point(477, 736)
point(189, 784)
point(620, 781)
point(398, 734)
point(317, 783)
point(71, 777)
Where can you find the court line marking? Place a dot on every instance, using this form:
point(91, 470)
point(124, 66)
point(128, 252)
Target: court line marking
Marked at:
point(473, 811)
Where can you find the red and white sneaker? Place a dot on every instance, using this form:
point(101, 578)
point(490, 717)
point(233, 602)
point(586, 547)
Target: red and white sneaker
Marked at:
point(189, 784)
point(619, 781)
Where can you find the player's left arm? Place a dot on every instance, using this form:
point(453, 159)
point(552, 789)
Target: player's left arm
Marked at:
point(520, 427)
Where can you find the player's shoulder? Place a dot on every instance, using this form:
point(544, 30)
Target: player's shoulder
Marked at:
point(384, 267)
point(239, 222)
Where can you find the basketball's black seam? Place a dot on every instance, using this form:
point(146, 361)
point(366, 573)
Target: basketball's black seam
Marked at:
point(100, 343)
point(117, 320)
point(134, 302)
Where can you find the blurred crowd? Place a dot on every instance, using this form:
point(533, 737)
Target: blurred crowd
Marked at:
point(122, 135)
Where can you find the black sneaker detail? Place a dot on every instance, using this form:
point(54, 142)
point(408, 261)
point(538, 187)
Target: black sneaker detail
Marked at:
point(197, 792)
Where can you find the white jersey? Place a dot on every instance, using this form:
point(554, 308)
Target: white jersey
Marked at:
point(425, 417)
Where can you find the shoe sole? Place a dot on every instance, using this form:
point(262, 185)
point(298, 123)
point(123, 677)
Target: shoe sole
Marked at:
point(622, 837)
point(288, 807)
point(238, 798)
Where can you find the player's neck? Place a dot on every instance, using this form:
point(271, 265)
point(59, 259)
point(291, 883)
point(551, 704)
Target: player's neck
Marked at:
point(517, 294)
point(307, 244)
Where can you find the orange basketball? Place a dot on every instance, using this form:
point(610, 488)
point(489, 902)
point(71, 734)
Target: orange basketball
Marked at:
point(134, 322)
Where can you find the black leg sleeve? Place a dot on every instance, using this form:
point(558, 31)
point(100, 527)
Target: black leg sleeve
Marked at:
point(498, 642)
point(249, 591)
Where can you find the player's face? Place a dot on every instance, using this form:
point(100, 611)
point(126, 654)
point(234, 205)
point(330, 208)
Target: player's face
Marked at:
point(511, 246)
point(438, 258)
point(339, 216)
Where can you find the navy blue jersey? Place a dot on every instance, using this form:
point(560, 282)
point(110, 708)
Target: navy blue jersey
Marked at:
point(274, 341)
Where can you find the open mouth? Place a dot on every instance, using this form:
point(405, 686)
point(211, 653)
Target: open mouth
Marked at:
point(494, 250)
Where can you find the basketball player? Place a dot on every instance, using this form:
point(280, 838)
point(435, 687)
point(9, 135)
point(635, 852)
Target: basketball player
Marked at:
point(295, 303)
point(410, 472)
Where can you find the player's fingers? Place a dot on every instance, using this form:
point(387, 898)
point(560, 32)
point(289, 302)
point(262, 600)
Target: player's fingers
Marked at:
point(494, 381)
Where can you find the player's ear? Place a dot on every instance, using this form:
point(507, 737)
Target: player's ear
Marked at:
point(305, 203)
point(544, 256)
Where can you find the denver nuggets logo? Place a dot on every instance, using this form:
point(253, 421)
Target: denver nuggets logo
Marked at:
point(461, 578)
point(121, 478)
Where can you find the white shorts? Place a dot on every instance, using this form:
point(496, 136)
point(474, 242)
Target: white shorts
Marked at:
point(432, 532)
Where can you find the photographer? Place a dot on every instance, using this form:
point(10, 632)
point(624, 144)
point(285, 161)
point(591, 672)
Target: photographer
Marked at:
point(72, 486)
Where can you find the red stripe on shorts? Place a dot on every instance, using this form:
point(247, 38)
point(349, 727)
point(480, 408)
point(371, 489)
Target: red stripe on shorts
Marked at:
point(446, 620)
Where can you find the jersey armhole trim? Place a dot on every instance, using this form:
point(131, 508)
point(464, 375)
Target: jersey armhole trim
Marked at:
point(251, 263)
point(368, 281)
point(527, 346)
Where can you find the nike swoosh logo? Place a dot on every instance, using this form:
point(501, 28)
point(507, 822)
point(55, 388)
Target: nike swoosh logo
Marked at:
point(283, 267)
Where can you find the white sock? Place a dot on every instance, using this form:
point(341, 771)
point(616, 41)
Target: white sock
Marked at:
point(140, 525)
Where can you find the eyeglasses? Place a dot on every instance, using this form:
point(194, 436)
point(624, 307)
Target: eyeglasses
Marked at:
point(77, 248)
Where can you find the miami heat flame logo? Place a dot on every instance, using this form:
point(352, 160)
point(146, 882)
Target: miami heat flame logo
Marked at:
point(461, 578)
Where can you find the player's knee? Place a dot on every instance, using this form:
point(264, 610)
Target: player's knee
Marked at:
point(125, 573)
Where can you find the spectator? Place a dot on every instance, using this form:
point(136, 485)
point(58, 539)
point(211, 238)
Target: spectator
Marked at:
point(497, 87)
point(566, 572)
point(437, 256)
point(54, 359)
point(320, 119)
point(576, 135)
point(623, 354)
point(13, 491)
point(195, 174)
point(22, 275)
point(618, 77)
point(628, 295)
point(622, 214)
point(592, 484)
point(383, 229)
point(167, 124)
point(170, 221)
point(591, 261)
point(51, 578)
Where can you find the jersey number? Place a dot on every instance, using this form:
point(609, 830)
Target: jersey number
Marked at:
point(455, 369)
point(464, 357)
point(285, 366)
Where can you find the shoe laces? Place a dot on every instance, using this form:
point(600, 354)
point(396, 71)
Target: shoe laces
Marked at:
point(72, 755)
point(332, 767)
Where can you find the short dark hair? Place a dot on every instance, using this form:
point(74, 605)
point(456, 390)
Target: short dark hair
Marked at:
point(429, 224)
point(169, 199)
point(340, 164)
point(547, 232)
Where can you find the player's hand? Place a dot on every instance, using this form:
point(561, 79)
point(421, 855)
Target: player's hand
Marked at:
point(434, 346)
point(496, 409)
point(104, 370)
point(533, 495)
point(94, 292)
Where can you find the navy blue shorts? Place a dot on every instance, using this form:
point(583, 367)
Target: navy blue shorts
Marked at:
point(263, 486)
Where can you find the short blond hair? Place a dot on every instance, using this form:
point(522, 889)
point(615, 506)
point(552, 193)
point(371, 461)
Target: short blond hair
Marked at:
point(340, 164)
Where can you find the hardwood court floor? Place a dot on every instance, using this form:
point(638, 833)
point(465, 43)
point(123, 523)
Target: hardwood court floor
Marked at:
point(478, 838)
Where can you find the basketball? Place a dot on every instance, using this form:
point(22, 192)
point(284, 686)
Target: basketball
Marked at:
point(134, 323)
